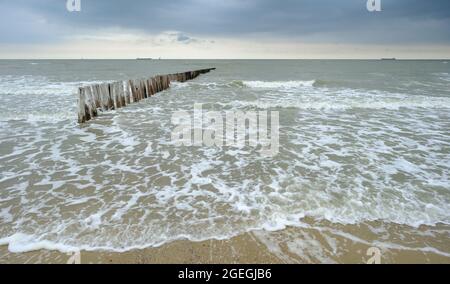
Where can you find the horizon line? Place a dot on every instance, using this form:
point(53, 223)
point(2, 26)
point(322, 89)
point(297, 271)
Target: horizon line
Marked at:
point(157, 59)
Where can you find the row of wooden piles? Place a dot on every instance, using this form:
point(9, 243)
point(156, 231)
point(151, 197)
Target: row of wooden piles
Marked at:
point(110, 96)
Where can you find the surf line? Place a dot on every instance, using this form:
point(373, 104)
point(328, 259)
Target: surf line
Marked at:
point(111, 96)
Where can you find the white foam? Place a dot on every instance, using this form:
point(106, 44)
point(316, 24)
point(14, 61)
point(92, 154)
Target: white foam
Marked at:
point(443, 76)
point(279, 84)
point(39, 117)
point(38, 85)
point(38, 99)
point(347, 99)
point(19, 243)
point(5, 215)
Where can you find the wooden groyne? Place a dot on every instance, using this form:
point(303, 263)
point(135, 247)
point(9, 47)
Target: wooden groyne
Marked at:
point(110, 96)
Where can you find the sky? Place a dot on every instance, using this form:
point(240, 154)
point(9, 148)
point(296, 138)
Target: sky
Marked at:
point(227, 29)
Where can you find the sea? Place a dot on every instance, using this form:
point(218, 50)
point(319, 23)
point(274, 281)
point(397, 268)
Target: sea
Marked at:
point(360, 142)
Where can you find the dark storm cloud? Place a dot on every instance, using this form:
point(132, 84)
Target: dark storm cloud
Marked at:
point(345, 21)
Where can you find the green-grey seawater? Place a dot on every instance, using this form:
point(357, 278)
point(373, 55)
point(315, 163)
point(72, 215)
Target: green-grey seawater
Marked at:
point(360, 141)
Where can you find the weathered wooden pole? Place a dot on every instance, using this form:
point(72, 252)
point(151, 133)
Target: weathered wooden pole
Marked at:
point(81, 104)
point(105, 96)
point(118, 101)
point(128, 92)
point(122, 94)
point(133, 91)
point(110, 97)
point(90, 102)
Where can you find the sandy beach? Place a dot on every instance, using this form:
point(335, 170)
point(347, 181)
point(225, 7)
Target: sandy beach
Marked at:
point(325, 244)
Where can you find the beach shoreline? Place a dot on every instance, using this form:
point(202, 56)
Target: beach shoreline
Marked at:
point(330, 244)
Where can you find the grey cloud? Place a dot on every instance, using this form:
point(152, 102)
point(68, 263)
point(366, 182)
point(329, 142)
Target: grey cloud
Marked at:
point(347, 21)
point(184, 38)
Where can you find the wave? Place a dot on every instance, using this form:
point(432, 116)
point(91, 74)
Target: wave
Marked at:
point(39, 117)
point(38, 85)
point(23, 243)
point(263, 85)
point(347, 99)
point(250, 84)
point(208, 85)
point(38, 99)
point(440, 104)
point(279, 84)
point(443, 76)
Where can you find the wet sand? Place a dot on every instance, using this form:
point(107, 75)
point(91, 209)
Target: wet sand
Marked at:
point(322, 242)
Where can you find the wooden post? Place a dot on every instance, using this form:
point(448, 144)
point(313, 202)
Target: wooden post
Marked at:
point(167, 78)
point(153, 85)
point(138, 93)
point(95, 96)
point(98, 102)
point(90, 102)
point(81, 108)
point(161, 84)
point(119, 90)
point(144, 88)
point(122, 94)
point(117, 99)
point(141, 91)
point(110, 97)
point(163, 78)
point(149, 87)
point(104, 96)
point(133, 91)
point(128, 92)
point(161, 81)
point(114, 95)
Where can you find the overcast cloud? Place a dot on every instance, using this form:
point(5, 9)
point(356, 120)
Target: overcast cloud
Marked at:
point(424, 23)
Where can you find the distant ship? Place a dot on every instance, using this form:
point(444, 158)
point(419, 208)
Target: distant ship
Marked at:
point(144, 58)
point(388, 59)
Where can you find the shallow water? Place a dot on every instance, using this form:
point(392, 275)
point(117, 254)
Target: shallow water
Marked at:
point(360, 141)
